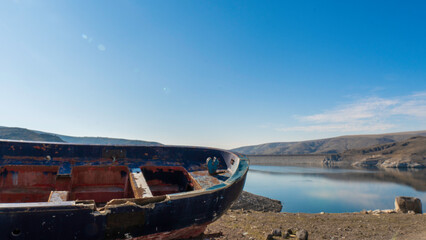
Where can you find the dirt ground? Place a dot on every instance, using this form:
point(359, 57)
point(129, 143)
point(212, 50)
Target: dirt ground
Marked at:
point(242, 224)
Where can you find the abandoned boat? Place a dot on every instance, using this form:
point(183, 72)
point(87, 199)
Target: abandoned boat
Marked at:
point(72, 191)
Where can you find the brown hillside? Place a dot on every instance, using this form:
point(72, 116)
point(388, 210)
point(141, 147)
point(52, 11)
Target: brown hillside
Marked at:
point(329, 145)
point(407, 153)
point(11, 133)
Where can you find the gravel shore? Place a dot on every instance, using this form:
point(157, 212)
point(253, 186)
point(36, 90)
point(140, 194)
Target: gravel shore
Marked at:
point(255, 217)
point(241, 224)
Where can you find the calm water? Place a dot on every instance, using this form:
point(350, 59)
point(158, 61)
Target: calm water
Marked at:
point(314, 190)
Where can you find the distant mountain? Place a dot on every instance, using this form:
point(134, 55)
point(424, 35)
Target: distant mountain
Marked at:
point(329, 145)
point(108, 141)
point(13, 133)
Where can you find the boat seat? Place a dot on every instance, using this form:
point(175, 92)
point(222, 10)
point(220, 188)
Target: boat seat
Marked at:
point(26, 183)
point(19, 195)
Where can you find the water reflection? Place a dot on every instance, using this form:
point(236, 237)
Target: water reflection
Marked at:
point(334, 190)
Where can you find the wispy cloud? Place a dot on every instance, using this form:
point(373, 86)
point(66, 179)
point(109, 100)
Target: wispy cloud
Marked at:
point(349, 127)
point(414, 106)
point(371, 114)
point(364, 109)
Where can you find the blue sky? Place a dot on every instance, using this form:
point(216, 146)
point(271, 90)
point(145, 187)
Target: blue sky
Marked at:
point(213, 73)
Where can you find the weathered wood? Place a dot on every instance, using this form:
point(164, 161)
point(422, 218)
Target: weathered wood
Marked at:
point(139, 185)
point(58, 196)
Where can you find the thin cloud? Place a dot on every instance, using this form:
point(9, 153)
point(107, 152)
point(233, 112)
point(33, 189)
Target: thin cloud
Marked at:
point(372, 114)
point(365, 109)
point(349, 127)
point(414, 106)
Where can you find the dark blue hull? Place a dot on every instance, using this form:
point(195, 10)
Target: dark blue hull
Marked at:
point(158, 216)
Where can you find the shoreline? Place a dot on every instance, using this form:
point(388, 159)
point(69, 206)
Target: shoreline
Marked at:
point(334, 160)
point(241, 224)
point(250, 223)
point(287, 160)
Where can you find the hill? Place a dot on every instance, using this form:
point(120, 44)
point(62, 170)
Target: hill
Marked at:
point(408, 153)
point(13, 133)
point(28, 135)
point(328, 145)
point(107, 141)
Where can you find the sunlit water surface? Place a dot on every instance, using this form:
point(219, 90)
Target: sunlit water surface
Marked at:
point(314, 190)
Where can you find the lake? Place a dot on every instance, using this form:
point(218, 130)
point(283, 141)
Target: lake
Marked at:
point(314, 190)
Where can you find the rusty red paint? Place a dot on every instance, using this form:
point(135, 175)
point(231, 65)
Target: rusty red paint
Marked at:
point(101, 183)
point(35, 183)
point(26, 183)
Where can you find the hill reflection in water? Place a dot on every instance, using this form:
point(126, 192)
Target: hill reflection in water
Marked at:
point(314, 190)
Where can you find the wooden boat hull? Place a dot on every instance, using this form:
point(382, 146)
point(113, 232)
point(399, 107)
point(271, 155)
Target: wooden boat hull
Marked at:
point(162, 216)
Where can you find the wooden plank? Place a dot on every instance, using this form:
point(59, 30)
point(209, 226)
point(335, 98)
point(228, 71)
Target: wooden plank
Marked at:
point(58, 196)
point(139, 185)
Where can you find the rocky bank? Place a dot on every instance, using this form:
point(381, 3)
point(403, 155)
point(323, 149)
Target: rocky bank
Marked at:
point(250, 201)
point(410, 153)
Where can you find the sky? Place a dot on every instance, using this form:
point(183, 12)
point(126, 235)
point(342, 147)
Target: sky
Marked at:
point(213, 73)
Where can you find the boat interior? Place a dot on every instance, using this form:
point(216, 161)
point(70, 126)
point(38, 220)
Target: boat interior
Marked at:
point(102, 183)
